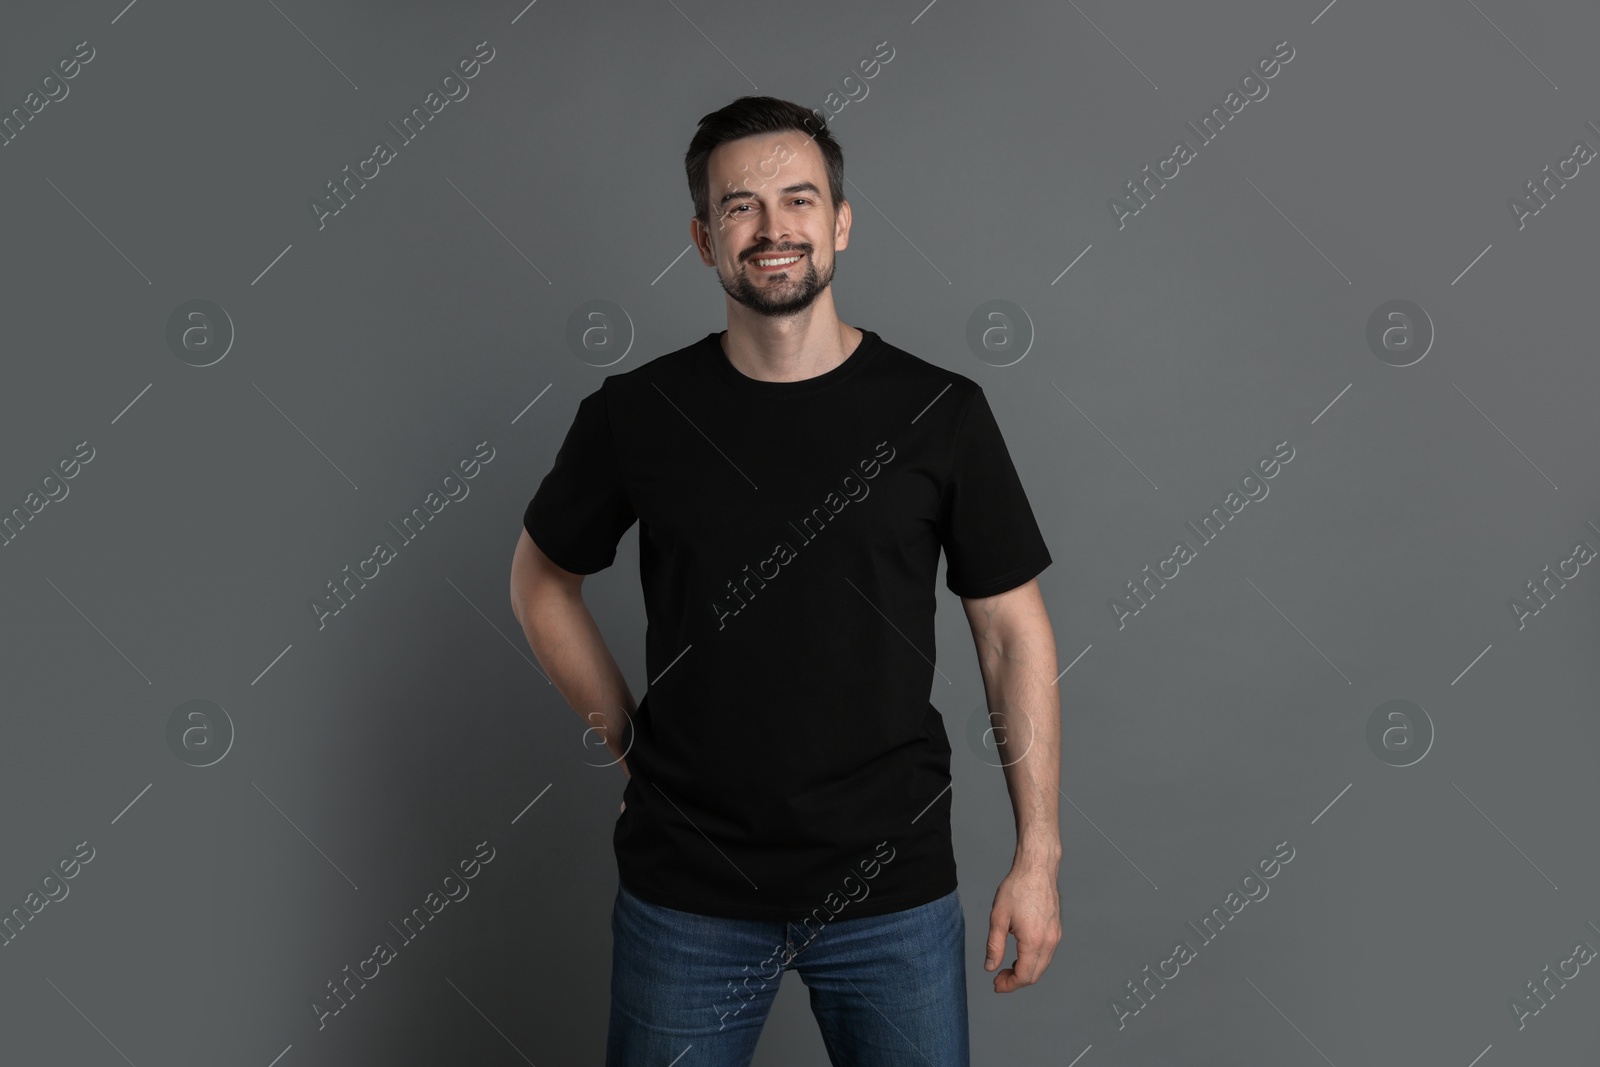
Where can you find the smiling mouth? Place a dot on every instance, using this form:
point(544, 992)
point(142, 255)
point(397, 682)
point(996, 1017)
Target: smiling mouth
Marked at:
point(776, 262)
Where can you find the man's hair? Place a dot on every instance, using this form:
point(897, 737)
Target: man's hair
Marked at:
point(751, 115)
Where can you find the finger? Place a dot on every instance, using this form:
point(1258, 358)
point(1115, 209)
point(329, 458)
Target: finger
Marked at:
point(1033, 957)
point(995, 948)
point(1030, 961)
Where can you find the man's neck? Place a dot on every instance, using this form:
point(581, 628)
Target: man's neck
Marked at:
point(790, 350)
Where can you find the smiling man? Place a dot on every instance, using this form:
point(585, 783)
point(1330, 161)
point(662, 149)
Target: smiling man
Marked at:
point(788, 800)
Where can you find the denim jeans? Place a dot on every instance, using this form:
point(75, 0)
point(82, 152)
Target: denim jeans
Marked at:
point(692, 990)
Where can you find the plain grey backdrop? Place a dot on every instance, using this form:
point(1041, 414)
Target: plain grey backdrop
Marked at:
point(353, 763)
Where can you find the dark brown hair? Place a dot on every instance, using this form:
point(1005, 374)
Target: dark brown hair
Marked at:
point(751, 115)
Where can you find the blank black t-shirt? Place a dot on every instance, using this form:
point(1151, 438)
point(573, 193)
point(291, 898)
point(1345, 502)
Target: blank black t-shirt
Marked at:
point(785, 757)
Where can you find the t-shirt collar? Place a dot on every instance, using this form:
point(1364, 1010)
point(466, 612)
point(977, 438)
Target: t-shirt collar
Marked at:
point(858, 358)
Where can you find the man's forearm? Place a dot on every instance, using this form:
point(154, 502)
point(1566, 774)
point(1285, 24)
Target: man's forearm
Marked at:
point(1024, 703)
point(567, 643)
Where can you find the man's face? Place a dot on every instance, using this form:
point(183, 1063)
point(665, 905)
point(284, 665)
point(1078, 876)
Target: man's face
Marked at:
point(773, 231)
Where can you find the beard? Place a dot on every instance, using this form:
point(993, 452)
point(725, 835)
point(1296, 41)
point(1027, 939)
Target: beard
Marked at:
point(786, 296)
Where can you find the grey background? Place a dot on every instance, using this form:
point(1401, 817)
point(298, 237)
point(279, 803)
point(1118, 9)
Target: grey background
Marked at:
point(375, 353)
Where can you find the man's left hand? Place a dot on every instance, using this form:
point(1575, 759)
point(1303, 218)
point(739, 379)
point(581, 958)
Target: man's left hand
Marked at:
point(1027, 907)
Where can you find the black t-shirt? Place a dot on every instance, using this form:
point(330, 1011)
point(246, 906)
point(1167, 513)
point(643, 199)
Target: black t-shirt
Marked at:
point(785, 757)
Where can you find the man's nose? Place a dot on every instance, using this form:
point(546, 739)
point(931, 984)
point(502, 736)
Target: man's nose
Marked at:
point(774, 228)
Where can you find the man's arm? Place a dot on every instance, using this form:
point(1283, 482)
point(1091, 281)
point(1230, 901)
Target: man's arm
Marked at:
point(1017, 656)
point(548, 602)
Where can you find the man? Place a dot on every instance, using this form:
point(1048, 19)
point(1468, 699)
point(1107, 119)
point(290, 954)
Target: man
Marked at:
point(788, 796)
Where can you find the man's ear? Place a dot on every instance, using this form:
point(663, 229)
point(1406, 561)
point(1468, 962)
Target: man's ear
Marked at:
point(710, 249)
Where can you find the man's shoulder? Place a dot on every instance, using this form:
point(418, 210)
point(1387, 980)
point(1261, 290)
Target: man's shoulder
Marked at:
point(904, 369)
point(668, 366)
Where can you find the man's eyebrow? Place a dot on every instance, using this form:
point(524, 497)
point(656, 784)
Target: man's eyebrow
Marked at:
point(797, 187)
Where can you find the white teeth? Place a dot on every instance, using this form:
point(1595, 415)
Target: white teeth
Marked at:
point(777, 262)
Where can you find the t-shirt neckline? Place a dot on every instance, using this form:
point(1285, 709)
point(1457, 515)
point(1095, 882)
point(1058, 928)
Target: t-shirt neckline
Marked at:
point(858, 358)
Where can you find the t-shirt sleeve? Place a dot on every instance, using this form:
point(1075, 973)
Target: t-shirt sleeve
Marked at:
point(581, 509)
point(991, 540)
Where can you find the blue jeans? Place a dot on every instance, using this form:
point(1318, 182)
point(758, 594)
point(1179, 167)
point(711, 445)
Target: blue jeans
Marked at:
point(886, 990)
